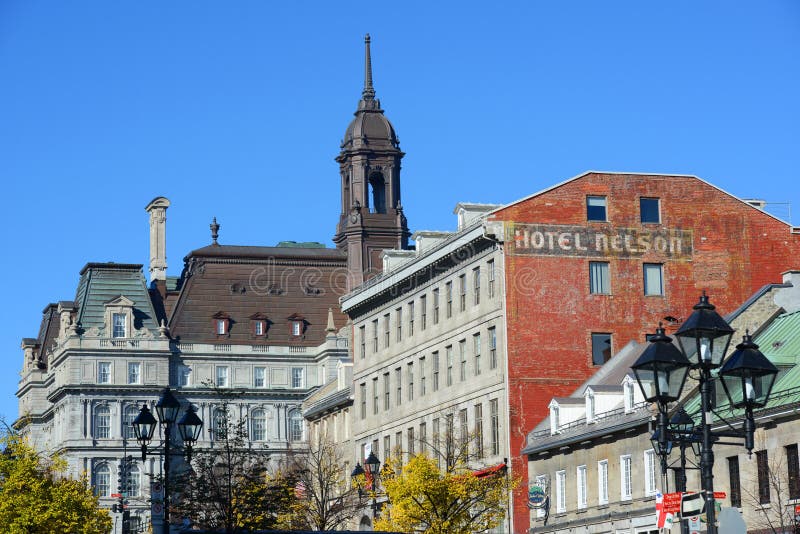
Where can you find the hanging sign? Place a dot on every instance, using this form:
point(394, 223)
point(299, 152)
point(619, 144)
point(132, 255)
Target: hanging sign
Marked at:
point(536, 496)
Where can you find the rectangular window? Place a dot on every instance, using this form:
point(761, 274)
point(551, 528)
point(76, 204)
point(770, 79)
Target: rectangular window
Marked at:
point(386, 331)
point(362, 395)
point(375, 396)
point(222, 376)
point(581, 480)
point(448, 297)
point(448, 350)
point(476, 286)
point(103, 372)
point(436, 441)
point(601, 348)
point(490, 278)
point(375, 336)
point(398, 378)
point(362, 345)
point(541, 481)
point(411, 318)
point(462, 292)
point(134, 373)
point(297, 377)
point(422, 385)
point(387, 446)
point(386, 393)
point(599, 281)
point(398, 315)
point(561, 492)
point(436, 306)
point(423, 438)
point(185, 376)
point(649, 472)
point(494, 426)
point(260, 377)
point(479, 430)
point(476, 350)
point(436, 370)
point(735, 484)
point(626, 488)
point(398, 442)
point(258, 328)
point(602, 481)
point(462, 353)
point(492, 348)
point(221, 323)
point(423, 311)
point(118, 329)
point(793, 471)
point(596, 208)
point(410, 436)
point(653, 279)
point(762, 462)
point(410, 375)
point(463, 428)
point(649, 211)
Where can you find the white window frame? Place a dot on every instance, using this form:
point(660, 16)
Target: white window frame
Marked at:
point(106, 426)
point(650, 479)
point(599, 281)
point(625, 477)
point(102, 489)
point(629, 395)
point(648, 290)
point(134, 372)
point(222, 376)
point(259, 377)
point(119, 325)
point(258, 425)
point(561, 492)
point(602, 482)
point(298, 377)
point(582, 490)
point(185, 376)
point(541, 481)
point(103, 377)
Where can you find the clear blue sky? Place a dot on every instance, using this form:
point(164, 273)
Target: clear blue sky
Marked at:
point(236, 110)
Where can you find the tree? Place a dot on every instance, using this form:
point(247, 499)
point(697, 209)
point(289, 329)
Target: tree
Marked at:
point(227, 486)
point(767, 492)
point(325, 499)
point(444, 491)
point(36, 498)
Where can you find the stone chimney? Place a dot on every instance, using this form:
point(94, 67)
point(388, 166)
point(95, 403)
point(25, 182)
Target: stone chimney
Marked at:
point(157, 208)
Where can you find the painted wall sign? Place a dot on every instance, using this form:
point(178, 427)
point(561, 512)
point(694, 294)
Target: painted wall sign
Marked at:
point(580, 241)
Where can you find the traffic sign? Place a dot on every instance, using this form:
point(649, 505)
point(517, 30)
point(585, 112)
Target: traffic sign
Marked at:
point(116, 495)
point(720, 495)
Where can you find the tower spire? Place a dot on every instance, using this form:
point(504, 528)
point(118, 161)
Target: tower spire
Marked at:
point(369, 92)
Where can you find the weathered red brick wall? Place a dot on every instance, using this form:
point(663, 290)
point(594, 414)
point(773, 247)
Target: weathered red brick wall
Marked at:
point(736, 250)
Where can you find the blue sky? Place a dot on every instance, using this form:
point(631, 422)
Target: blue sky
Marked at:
point(236, 110)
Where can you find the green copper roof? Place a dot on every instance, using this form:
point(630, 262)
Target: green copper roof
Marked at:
point(780, 342)
point(102, 282)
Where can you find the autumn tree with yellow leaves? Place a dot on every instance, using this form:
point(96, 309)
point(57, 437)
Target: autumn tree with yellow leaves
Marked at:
point(36, 497)
point(444, 489)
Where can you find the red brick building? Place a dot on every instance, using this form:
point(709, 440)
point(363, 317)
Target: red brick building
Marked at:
point(601, 259)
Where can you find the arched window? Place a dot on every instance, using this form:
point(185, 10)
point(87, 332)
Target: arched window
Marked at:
point(258, 425)
point(102, 422)
point(134, 485)
point(377, 188)
point(296, 426)
point(102, 480)
point(219, 424)
point(128, 415)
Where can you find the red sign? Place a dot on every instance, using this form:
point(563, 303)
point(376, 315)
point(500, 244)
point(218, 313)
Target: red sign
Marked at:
point(672, 503)
point(116, 495)
point(719, 495)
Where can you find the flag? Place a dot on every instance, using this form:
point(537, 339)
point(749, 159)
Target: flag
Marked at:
point(692, 504)
point(663, 519)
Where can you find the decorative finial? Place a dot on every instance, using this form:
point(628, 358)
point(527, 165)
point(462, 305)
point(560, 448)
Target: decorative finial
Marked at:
point(369, 92)
point(331, 327)
point(214, 230)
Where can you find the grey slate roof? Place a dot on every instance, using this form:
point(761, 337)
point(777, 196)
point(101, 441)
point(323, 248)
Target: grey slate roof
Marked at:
point(102, 282)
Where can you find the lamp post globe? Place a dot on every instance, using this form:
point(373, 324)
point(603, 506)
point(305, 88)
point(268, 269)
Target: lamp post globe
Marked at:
point(661, 370)
point(704, 337)
point(167, 407)
point(144, 425)
point(372, 464)
point(748, 376)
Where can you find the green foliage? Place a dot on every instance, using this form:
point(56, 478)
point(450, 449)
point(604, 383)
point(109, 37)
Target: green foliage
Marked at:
point(35, 498)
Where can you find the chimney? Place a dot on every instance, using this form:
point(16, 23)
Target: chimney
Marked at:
point(157, 208)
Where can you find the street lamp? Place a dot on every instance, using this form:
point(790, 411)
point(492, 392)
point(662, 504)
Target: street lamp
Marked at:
point(371, 469)
point(747, 377)
point(189, 427)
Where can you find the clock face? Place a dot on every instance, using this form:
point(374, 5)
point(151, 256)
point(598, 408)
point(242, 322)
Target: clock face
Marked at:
point(354, 217)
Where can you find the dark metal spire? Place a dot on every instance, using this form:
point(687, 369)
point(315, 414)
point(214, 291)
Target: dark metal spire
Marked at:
point(369, 92)
point(214, 230)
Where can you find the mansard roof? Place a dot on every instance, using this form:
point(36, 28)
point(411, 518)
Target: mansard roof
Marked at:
point(101, 283)
point(270, 282)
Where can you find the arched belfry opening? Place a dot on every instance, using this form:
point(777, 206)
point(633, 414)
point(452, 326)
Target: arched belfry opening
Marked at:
point(377, 193)
point(372, 219)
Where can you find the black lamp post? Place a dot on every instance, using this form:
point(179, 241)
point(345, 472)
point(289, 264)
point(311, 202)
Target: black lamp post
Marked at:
point(373, 466)
point(747, 377)
point(189, 427)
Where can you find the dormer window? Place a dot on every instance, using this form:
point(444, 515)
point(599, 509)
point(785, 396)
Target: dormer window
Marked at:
point(259, 325)
point(119, 322)
point(297, 328)
point(297, 325)
point(590, 408)
point(221, 323)
point(628, 394)
point(119, 317)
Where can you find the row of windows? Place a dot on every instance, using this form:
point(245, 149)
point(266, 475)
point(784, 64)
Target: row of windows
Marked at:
point(649, 209)
point(600, 278)
point(259, 325)
point(257, 423)
point(222, 375)
point(767, 473)
point(380, 332)
point(582, 486)
point(418, 384)
point(417, 440)
point(134, 375)
point(102, 480)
